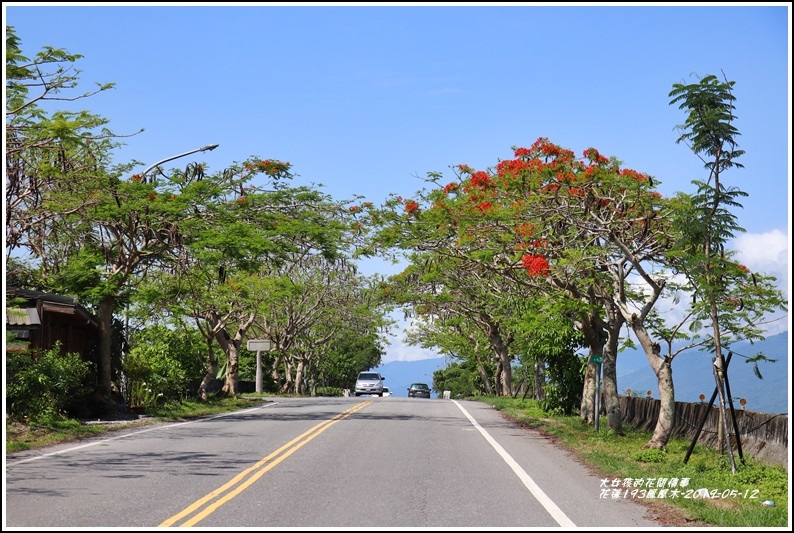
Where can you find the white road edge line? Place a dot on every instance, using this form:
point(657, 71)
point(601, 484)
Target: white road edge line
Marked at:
point(528, 482)
point(96, 443)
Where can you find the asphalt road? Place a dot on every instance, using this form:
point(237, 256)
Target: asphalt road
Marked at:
point(349, 463)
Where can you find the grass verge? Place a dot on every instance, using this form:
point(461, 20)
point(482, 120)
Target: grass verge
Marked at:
point(704, 489)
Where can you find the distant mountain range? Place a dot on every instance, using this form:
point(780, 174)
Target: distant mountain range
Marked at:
point(400, 374)
point(692, 375)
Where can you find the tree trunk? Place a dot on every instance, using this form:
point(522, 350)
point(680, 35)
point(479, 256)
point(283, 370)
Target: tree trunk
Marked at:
point(105, 349)
point(587, 407)
point(540, 380)
point(287, 387)
point(593, 332)
point(507, 372)
point(611, 398)
point(299, 389)
point(275, 373)
point(212, 369)
point(231, 385)
point(664, 375)
point(610, 393)
point(497, 378)
point(486, 381)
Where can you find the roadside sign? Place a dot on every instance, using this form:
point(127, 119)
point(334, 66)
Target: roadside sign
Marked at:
point(597, 359)
point(259, 345)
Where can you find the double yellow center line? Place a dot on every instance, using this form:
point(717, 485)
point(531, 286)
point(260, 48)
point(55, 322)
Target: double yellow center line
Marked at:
point(212, 501)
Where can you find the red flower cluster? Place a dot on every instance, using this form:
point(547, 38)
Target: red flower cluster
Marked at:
point(525, 230)
point(629, 173)
point(271, 167)
point(535, 265)
point(451, 187)
point(515, 167)
point(594, 156)
point(480, 179)
point(483, 207)
point(411, 206)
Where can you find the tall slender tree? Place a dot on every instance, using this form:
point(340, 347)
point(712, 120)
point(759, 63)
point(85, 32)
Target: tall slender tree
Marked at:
point(728, 299)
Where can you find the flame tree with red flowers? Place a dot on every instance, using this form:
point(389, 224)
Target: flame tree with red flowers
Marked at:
point(579, 229)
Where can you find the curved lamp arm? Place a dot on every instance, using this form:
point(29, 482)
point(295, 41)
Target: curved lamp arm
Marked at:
point(209, 147)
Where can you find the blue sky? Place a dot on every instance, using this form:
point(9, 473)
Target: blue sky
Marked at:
point(366, 99)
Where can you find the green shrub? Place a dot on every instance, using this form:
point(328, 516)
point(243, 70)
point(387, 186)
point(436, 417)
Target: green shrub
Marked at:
point(161, 366)
point(651, 455)
point(43, 385)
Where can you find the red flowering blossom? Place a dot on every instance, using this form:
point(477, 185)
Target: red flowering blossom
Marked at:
point(593, 155)
point(466, 169)
point(566, 177)
point(355, 209)
point(483, 207)
point(137, 178)
point(629, 173)
point(480, 179)
point(271, 167)
point(152, 197)
point(525, 229)
point(451, 187)
point(411, 206)
point(550, 150)
point(514, 167)
point(535, 265)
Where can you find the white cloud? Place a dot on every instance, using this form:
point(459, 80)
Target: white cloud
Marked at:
point(767, 253)
point(763, 252)
point(397, 350)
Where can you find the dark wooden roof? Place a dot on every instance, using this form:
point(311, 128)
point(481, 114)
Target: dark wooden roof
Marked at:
point(50, 302)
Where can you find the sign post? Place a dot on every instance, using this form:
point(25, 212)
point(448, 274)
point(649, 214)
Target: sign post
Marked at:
point(259, 345)
point(597, 359)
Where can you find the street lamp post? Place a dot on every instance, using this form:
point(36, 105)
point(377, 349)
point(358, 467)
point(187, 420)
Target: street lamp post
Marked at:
point(207, 148)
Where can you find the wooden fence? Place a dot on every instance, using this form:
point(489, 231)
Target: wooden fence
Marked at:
point(761, 435)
